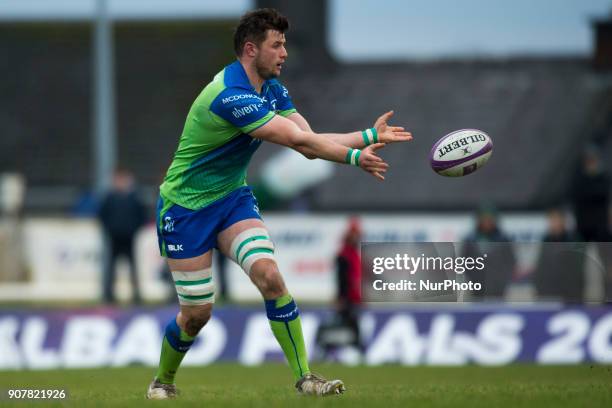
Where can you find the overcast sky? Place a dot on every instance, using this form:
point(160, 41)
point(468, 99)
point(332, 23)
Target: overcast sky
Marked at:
point(389, 29)
point(432, 28)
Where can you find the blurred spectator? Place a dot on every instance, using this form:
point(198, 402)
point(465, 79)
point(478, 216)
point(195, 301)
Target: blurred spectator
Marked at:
point(343, 330)
point(165, 276)
point(557, 228)
point(221, 273)
point(489, 239)
point(560, 269)
point(348, 268)
point(122, 214)
point(12, 254)
point(590, 195)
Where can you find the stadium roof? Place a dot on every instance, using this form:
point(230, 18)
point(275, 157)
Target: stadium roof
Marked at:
point(28, 10)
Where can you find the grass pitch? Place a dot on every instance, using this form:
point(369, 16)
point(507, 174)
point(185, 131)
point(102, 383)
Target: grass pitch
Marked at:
point(225, 385)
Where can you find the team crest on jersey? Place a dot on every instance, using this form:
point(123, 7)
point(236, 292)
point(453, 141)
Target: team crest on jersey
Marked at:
point(272, 102)
point(168, 224)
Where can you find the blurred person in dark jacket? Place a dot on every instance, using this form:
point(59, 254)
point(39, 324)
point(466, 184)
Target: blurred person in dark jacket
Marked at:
point(558, 230)
point(489, 239)
point(121, 214)
point(590, 194)
point(560, 270)
point(343, 330)
point(348, 268)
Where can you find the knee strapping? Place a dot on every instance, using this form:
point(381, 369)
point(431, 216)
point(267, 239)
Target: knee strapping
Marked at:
point(194, 288)
point(251, 245)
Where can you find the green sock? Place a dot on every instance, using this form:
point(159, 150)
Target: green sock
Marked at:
point(286, 325)
point(175, 345)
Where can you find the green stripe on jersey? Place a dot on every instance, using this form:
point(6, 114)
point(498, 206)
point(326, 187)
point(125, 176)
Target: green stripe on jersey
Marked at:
point(287, 112)
point(259, 123)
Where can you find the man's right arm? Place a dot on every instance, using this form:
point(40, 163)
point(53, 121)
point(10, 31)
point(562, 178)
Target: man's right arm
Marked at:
point(285, 132)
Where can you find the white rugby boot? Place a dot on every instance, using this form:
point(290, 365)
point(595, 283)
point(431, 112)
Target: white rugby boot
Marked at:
point(159, 391)
point(312, 384)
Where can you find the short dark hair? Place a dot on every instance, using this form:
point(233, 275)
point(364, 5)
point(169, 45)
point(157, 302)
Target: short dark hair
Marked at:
point(254, 24)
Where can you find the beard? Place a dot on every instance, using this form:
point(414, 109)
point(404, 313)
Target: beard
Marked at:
point(263, 71)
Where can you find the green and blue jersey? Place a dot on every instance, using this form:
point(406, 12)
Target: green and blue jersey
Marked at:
point(215, 147)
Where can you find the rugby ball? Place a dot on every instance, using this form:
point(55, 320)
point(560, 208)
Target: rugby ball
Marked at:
point(461, 152)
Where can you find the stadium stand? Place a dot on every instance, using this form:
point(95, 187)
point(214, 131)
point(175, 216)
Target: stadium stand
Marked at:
point(537, 111)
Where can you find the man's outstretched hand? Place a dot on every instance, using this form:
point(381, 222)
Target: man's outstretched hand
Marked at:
point(371, 162)
point(388, 133)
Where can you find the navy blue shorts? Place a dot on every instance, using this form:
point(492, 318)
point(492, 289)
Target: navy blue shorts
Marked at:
point(184, 233)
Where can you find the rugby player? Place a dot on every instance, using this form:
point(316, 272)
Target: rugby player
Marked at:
point(205, 202)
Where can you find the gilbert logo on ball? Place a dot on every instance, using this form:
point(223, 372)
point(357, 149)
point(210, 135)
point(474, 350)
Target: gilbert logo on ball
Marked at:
point(461, 152)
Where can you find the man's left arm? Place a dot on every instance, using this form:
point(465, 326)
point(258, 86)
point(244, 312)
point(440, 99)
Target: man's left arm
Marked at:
point(357, 140)
point(362, 138)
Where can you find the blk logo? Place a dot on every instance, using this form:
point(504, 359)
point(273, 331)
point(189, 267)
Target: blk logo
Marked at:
point(175, 248)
